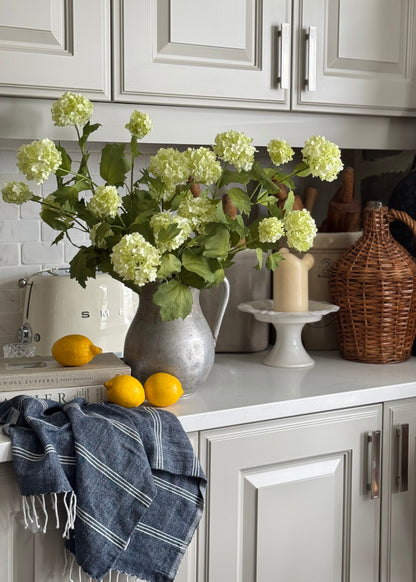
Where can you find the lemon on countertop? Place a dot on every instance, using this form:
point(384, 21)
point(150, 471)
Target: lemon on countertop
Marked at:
point(162, 389)
point(125, 390)
point(74, 350)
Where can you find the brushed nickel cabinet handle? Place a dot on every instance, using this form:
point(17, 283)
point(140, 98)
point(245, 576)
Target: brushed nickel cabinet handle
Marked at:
point(283, 74)
point(311, 48)
point(402, 477)
point(374, 455)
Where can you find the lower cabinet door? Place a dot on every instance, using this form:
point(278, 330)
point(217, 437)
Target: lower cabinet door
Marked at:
point(289, 500)
point(398, 536)
point(26, 556)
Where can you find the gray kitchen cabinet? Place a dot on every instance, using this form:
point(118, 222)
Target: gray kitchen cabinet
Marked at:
point(34, 556)
point(288, 499)
point(320, 55)
point(355, 56)
point(49, 47)
point(398, 548)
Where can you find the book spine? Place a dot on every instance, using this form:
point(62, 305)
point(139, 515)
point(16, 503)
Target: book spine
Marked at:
point(62, 394)
point(47, 380)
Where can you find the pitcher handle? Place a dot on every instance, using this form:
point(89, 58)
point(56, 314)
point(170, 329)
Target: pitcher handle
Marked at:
point(222, 307)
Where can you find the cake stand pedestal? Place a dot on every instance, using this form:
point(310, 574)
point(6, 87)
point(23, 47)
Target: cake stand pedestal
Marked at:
point(288, 351)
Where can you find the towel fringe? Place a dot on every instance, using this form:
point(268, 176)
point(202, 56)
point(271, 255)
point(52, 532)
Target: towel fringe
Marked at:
point(38, 521)
point(71, 512)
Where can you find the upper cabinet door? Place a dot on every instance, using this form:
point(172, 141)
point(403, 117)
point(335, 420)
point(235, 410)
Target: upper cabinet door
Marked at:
point(51, 46)
point(233, 54)
point(355, 56)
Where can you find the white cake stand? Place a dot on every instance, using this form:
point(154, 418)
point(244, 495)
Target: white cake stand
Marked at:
point(288, 351)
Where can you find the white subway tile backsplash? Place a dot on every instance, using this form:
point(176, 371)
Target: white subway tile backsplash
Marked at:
point(42, 252)
point(9, 324)
point(11, 300)
point(30, 210)
point(49, 234)
point(8, 211)
point(10, 276)
point(9, 254)
point(22, 231)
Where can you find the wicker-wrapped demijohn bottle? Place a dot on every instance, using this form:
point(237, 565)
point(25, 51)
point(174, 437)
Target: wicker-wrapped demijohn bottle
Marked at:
point(374, 284)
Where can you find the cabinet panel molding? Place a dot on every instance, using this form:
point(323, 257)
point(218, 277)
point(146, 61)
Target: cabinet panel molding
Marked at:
point(63, 45)
point(49, 29)
point(265, 476)
point(179, 53)
point(364, 57)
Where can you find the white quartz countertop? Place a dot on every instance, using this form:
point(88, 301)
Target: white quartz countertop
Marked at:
point(241, 389)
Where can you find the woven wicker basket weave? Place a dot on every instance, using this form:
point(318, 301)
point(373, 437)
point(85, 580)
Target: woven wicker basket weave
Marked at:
point(374, 284)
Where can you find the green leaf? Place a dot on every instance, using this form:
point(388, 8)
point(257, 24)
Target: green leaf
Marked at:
point(114, 164)
point(273, 261)
point(166, 234)
point(86, 132)
point(67, 197)
point(259, 253)
point(191, 279)
point(232, 177)
point(215, 242)
point(103, 230)
point(197, 264)
point(302, 170)
point(53, 219)
point(240, 199)
point(66, 164)
point(84, 265)
point(288, 205)
point(174, 299)
point(262, 177)
point(134, 146)
point(169, 264)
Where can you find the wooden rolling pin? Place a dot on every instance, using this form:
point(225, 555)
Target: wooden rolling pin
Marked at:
point(344, 211)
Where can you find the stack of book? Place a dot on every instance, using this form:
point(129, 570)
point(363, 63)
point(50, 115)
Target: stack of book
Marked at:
point(43, 377)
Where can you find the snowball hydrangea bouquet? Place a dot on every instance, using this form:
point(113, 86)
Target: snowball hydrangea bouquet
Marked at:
point(181, 220)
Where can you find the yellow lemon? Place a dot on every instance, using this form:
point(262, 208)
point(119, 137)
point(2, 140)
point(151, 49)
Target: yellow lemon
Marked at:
point(162, 389)
point(74, 350)
point(125, 390)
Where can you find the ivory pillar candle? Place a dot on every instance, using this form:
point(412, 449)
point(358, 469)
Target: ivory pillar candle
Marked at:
point(290, 283)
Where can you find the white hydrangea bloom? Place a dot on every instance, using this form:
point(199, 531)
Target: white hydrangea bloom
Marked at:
point(16, 192)
point(71, 109)
point(39, 160)
point(271, 229)
point(135, 259)
point(105, 202)
point(199, 211)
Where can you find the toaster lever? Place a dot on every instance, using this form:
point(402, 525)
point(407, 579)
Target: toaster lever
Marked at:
point(24, 334)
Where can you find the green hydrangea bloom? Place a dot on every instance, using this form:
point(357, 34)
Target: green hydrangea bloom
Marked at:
point(323, 158)
point(139, 125)
point(163, 220)
point(280, 152)
point(135, 259)
point(235, 147)
point(39, 160)
point(16, 192)
point(105, 202)
point(71, 109)
point(199, 211)
point(300, 229)
point(171, 166)
point(270, 230)
point(203, 165)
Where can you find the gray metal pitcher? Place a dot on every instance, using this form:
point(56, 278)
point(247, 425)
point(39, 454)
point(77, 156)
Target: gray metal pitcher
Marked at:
point(184, 348)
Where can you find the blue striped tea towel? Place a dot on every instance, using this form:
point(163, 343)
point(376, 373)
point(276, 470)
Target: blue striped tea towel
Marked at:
point(131, 484)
